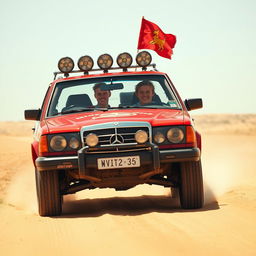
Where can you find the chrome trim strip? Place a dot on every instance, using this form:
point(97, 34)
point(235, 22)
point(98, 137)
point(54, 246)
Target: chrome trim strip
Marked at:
point(117, 150)
point(63, 158)
point(116, 145)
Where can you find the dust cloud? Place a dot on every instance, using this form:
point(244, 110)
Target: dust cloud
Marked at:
point(21, 193)
point(227, 163)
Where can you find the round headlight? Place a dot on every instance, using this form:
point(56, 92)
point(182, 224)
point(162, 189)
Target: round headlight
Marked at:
point(159, 138)
point(141, 136)
point(175, 135)
point(91, 140)
point(105, 61)
point(66, 65)
point(74, 143)
point(124, 60)
point(143, 59)
point(85, 63)
point(58, 143)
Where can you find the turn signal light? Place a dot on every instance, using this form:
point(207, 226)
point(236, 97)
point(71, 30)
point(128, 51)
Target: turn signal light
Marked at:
point(191, 135)
point(43, 145)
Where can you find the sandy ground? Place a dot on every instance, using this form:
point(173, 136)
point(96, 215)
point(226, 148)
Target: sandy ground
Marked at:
point(143, 220)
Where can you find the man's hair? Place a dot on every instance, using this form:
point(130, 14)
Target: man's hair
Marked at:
point(142, 83)
point(98, 85)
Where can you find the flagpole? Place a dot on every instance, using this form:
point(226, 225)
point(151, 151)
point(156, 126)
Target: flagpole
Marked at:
point(138, 49)
point(141, 23)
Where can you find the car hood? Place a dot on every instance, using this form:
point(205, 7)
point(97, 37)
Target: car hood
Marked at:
point(156, 117)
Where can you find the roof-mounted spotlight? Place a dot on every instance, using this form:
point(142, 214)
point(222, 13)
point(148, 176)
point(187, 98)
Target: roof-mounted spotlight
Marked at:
point(105, 61)
point(124, 60)
point(85, 63)
point(66, 65)
point(143, 59)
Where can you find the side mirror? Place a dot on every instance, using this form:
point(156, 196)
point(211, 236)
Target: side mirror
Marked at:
point(192, 104)
point(32, 114)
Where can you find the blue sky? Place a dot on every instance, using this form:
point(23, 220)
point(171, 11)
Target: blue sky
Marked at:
point(214, 57)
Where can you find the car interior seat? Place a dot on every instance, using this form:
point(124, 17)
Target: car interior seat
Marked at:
point(130, 98)
point(78, 100)
point(156, 99)
point(126, 98)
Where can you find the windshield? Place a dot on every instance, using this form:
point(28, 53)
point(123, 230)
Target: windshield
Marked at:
point(105, 93)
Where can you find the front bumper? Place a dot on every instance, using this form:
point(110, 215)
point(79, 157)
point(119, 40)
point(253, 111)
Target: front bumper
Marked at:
point(84, 161)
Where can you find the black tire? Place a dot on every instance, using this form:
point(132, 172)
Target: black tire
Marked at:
point(48, 193)
point(174, 192)
point(191, 185)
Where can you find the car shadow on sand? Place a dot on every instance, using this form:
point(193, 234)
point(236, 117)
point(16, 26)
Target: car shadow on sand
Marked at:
point(127, 206)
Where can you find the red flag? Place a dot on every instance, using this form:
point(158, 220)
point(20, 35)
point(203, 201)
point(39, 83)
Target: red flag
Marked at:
point(152, 37)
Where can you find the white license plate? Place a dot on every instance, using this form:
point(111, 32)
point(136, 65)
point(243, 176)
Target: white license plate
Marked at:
point(118, 162)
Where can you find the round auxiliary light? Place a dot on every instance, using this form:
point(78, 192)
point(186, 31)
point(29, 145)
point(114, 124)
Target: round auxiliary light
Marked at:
point(124, 60)
point(141, 136)
point(66, 65)
point(85, 63)
point(91, 140)
point(175, 135)
point(143, 58)
point(159, 138)
point(105, 61)
point(58, 143)
point(74, 143)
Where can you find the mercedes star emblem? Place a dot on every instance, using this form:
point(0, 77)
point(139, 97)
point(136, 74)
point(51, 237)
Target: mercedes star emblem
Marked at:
point(116, 139)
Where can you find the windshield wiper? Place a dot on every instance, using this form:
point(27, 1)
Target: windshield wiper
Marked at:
point(150, 107)
point(81, 109)
point(103, 109)
point(75, 109)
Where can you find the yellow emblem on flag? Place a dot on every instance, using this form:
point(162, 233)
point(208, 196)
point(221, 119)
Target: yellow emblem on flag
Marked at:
point(156, 40)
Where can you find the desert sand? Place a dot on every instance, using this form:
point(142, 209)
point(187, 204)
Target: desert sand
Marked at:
point(143, 220)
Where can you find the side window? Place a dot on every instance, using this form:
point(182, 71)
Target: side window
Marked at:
point(160, 92)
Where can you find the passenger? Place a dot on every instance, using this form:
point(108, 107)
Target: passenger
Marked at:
point(102, 97)
point(145, 92)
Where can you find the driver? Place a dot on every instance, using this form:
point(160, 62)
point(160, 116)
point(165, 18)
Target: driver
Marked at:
point(145, 91)
point(102, 97)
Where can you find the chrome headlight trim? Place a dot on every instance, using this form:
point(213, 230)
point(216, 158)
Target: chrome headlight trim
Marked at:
point(71, 142)
point(165, 135)
point(74, 142)
point(91, 139)
point(141, 136)
point(175, 135)
point(159, 138)
point(58, 143)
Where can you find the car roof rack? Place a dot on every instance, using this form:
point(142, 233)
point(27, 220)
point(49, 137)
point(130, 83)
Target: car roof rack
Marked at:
point(104, 71)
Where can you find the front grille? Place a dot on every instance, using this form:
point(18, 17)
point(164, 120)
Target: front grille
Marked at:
point(116, 136)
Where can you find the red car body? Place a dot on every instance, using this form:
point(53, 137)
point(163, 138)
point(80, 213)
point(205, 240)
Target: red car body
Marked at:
point(72, 170)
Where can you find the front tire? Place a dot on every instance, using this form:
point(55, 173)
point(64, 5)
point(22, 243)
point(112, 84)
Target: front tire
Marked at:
point(191, 185)
point(48, 193)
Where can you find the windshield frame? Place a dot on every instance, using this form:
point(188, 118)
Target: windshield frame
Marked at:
point(167, 87)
